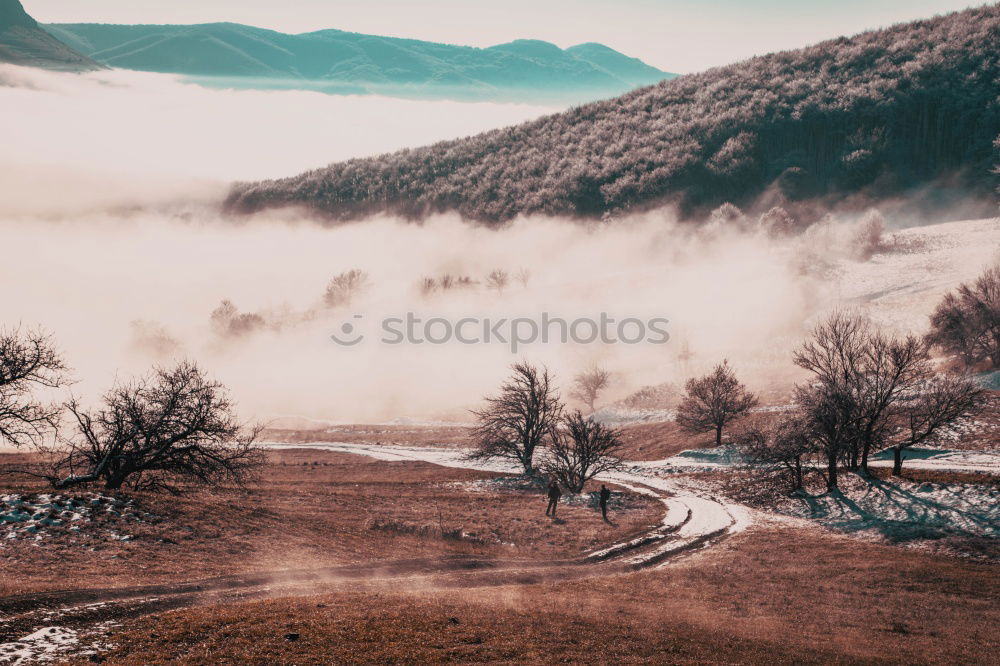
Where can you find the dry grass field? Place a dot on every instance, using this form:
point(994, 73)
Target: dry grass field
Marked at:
point(311, 509)
point(772, 595)
point(460, 566)
point(642, 441)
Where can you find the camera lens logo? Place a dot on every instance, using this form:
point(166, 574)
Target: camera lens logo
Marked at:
point(348, 336)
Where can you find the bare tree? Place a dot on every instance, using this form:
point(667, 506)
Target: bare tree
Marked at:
point(936, 408)
point(713, 401)
point(873, 391)
point(524, 277)
point(847, 355)
point(28, 361)
point(954, 330)
point(343, 287)
point(588, 385)
point(516, 422)
point(154, 433)
point(580, 449)
point(428, 286)
point(228, 321)
point(498, 279)
point(449, 281)
point(784, 447)
point(890, 367)
point(834, 355)
point(829, 420)
point(967, 322)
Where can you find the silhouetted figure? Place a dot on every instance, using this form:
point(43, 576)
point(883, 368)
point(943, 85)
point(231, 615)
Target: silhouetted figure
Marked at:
point(554, 495)
point(605, 496)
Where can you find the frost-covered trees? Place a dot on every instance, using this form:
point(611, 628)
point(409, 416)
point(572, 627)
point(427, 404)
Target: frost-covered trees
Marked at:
point(867, 238)
point(879, 112)
point(714, 401)
point(152, 337)
point(447, 282)
point(777, 222)
point(727, 216)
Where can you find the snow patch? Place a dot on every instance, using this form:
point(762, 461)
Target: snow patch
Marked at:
point(44, 645)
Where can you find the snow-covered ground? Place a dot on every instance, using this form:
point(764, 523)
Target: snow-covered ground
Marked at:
point(944, 459)
point(900, 287)
point(895, 510)
point(44, 645)
point(54, 643)
point(33, 516)
point(906, 511)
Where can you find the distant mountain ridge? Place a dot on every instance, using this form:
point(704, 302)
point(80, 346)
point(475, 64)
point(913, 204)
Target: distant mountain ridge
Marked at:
point(913, 107)
point(338, 61)
point(23, 42)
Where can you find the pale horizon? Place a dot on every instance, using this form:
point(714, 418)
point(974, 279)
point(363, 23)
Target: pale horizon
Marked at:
point(679, 36)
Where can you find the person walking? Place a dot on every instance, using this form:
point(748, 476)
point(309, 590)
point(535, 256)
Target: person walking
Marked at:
point(554, 495)
point(605, 496)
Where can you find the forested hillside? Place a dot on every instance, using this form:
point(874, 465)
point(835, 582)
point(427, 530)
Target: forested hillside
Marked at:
point(880, 113)
point(344, 62)
point(24, 43)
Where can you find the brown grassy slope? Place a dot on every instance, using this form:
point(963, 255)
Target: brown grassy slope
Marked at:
point(416, 435)
point(772, 595)
point(643, 441)
point(655, 441)
point(342, 509)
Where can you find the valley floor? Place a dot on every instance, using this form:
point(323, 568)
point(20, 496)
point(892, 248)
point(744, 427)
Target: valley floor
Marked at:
point(364, 552)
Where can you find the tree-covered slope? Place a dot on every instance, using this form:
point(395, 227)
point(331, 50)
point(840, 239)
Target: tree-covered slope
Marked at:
point(23, 42)
point(881, 112)
point(350, 62)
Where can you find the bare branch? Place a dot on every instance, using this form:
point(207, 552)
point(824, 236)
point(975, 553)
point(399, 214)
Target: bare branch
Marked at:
point(517, 420)
point(174, 427)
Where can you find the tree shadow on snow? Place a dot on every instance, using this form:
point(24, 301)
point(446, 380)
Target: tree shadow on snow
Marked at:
point(903, 514)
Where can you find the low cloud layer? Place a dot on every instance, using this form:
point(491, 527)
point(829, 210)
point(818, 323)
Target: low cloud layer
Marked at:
point(130, 138)
point(109, 185)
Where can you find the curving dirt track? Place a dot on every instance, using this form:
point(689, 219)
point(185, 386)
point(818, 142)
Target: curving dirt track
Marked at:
point(30, 623)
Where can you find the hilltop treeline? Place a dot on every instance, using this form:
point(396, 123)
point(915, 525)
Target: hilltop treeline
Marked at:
point(878, 113)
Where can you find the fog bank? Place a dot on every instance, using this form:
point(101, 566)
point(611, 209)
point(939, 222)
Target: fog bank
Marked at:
point(109, 191)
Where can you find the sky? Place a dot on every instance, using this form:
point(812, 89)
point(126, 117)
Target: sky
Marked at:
point(675, 35)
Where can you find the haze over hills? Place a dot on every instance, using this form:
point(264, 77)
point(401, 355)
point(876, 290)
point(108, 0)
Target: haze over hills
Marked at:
point(879, 114)
point(342, 62)
point(23, 42)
